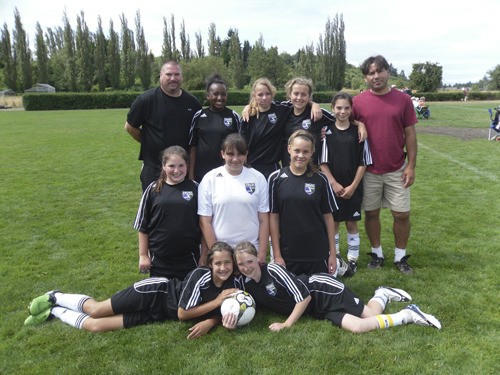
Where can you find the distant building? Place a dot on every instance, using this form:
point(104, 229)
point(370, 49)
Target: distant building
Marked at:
point(7, 92)
point(41, 87)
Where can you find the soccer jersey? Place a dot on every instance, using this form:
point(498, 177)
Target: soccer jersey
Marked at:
point(301, 202)
point(278, 289)
point(303, 121)
point(344, 154)
point(199, 288)
point(170, 219)
point(234, 203)
point(164, 121)
point(385, 117)
point(208, 130)
point(264, 134)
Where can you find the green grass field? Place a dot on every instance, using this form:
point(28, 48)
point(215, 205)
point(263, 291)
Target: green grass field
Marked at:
point(69, 195)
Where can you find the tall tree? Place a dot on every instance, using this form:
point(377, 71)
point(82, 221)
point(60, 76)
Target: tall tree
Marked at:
point(331, 53)
point(84, 54)
point(100, 56)
point(113, 53)
point(214, 45)
point(200, 50)
point(8, 60)
point(185, 44)
point(23, 54)
point(70, 73)
point(426, 77)
point(42, 56)
point(494, 78)
point(236, 62)
point(306, 65)
point(57, 62)
point(127, 55)
point(144, 67)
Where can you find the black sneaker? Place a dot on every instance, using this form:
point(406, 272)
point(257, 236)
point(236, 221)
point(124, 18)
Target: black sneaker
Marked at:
point(376, 262)
point(403, 265)
point(353, 265)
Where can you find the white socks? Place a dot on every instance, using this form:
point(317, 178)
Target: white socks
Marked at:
point(353, 246)
point(71, 301)
point(73, 318)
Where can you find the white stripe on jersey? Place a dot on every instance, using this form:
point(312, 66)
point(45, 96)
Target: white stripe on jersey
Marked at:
point(195, 295)
point(367, 154)
point(142, 206)
point(330, 193)
point(150, 281)
point(328, 280)
point(285, 281)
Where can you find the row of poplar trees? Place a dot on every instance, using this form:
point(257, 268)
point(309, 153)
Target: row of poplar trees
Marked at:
point(78, 60)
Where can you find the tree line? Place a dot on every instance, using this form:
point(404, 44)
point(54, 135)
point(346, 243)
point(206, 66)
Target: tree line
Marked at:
point(79, 60)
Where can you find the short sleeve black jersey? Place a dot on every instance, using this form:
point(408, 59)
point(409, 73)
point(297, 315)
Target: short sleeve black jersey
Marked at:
point(164, 120)
point(278, 289)
point(170, 218)
point(344, 154)
point(208, 131)
point(301, 202)
point(303, 121)
point(264, 135)
point(198, 288)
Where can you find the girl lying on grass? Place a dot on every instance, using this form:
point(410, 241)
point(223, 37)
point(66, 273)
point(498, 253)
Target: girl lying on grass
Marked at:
point(321, 296)
point(150, 300)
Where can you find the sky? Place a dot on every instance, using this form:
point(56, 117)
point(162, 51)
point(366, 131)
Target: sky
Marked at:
point(462, 37)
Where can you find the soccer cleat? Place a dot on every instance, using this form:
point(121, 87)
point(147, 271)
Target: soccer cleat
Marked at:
point(421, 318)
point(42, 303)
point(403, 265)
point(376, 262)
point(395, 295)
point(354, 266)
point(34, 320)
point(344, 267)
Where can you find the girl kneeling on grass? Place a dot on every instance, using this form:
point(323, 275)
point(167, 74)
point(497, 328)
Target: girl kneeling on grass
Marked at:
point(322, 296)
point(149, 300)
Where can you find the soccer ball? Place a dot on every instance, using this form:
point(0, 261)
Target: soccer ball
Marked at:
point(242, 304)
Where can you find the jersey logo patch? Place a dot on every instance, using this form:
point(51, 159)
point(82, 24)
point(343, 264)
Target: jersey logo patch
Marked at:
point(309, 188)
point(203, 115)
point(187, 195)
point(271, 289)
point(356, 214)
point(283, 175)
point(219, 175)
point(250, 187)
point(356, 300)
point(272, 118)
point(306, 124)
point(228, 121)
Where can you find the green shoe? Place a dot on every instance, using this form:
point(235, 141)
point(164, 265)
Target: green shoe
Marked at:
point(42, 303)
point(34, 320)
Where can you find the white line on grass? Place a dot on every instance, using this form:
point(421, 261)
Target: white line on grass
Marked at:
point(469, 167)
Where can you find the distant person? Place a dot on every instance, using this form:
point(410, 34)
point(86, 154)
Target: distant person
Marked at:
point(159, 118)
point(167, 221)
point(423, 109)
point(465, 90)
point(390, 120)
point(209, 128)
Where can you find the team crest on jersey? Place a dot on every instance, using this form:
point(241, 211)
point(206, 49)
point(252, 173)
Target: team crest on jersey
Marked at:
point(272, 118)
point(250, 187)
point(271, 289)
point(228, 121)
point(187, 195)
point(309, 188)
point(306, 124)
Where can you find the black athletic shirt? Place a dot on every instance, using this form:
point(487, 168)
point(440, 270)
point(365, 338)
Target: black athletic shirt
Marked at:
point(264, 135)
point(170, 218)
point(208, 130)
point(164, 120)
point(278, 289)
point(301, 202)
point(303, 121)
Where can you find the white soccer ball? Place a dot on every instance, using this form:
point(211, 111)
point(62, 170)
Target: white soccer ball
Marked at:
point(242, 304)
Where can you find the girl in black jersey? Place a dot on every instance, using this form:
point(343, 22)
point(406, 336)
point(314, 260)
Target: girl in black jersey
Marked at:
point(149, 300)
point(301, 203)
point(264, 126)
point(167, 220)
point(322, 296)
point(210, 126)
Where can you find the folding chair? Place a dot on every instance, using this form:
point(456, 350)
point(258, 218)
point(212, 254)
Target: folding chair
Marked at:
point(494, 131)
point(423, 113)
